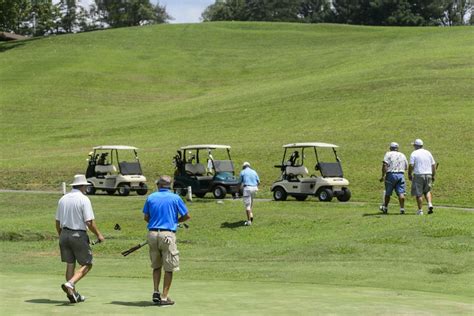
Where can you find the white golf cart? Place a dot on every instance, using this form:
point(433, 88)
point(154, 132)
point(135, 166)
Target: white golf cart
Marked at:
point(106, 172)
point(296, 181)
point(197, 168)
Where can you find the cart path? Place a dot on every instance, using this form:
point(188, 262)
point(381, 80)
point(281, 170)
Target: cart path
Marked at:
point(469, 209)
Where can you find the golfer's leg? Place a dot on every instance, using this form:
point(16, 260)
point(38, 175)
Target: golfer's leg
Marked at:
point(80, 273)
point(167, 283)
point(156, 279)
point(419, 201)
point(428, 198)
point(70, 267)
point(401, 200)
point(386, 200)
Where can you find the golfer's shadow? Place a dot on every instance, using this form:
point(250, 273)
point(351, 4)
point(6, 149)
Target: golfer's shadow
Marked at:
point(388, 214)
point(134, 304)
point(48, 301)
point(232, 225)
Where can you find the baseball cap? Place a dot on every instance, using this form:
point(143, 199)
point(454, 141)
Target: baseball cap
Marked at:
point(418, 142)
point(393, 145)
point(246, 164)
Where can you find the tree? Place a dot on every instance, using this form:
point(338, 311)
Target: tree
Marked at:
point(13, 15)
point(131, 12)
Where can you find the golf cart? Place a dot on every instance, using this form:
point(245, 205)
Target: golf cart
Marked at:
point(107, 173)
point(197, 168)
point(296, 181)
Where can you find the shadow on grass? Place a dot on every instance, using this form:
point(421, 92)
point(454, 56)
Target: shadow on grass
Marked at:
point(134, 304)
point(388, 214)
point(48, 301)
point(232, 225)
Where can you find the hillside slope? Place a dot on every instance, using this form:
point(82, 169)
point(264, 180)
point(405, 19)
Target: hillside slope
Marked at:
point(255, 86)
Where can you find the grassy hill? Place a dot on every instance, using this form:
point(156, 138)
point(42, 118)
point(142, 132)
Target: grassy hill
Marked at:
point(254, 86)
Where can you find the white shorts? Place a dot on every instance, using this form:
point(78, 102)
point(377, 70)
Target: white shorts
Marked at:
point(248, 195)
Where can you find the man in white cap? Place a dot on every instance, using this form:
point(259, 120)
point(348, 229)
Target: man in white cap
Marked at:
point(394, 166)
point(421, 172)
point(249, 182)
point(73, 217)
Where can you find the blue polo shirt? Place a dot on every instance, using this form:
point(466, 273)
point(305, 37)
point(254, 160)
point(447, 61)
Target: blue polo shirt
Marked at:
point(249, 176)
point(164, 208)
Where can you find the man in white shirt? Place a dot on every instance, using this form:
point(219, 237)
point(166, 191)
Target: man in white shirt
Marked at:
point(394, 166)
point(73, 217)
point(421, 172)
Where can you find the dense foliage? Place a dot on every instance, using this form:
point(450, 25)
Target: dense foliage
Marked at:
point(363, 12)
point(42, 17)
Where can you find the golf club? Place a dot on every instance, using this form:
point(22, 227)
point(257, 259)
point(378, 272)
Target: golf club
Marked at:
point(133, 249)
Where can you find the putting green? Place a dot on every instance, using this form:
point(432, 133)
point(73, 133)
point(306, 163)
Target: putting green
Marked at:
point(41, 295)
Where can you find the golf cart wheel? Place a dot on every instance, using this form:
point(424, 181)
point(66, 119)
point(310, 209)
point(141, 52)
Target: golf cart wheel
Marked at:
point(143, 189)
point(123, 189)
point(219, 192)
point(279, 194)
point(110, 191)
point(325, 194)
point(90, 190)
point(345, 196)
point(200, 195)
point(301, 197)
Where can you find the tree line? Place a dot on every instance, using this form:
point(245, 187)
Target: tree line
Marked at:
point(43, 17)
point(362, 12)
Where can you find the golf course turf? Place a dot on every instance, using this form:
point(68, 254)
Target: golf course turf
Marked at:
point(254, 86)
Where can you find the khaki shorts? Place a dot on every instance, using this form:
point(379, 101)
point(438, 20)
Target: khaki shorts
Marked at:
point(421, 184)
point(74, 246)
point(163, 251)
point(248, 196)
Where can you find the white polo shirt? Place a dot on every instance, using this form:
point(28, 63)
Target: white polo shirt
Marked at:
point(396, 161)
point(421, 160)
point(74, 209)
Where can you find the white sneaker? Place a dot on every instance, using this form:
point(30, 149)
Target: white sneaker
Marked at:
point(420, 212)
point(248, 223)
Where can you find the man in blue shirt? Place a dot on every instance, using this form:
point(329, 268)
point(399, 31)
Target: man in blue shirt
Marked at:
point(163, 210)
point(249, 181)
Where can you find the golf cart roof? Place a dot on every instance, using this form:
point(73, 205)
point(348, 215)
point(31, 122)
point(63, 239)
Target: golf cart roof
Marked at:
point(299, 145)
point(208, 146)
point(118, 147)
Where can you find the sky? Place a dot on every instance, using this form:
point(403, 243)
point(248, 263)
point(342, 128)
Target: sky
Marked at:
point(185, 11)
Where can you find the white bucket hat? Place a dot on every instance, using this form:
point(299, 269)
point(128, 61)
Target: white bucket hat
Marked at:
point(79, 179)
point(246, 164)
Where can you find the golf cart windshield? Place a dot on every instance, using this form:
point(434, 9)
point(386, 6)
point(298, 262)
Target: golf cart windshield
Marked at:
point(223, 166)
point(130, 168)
point(330, 169)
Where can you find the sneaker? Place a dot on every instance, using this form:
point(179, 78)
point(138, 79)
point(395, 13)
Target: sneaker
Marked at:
point(430, 209)
point(68, 288)
point(383, 209)
point(166, 302)
point(420, 212)
point(156, 297)
point(402, 212)
point(80, 298)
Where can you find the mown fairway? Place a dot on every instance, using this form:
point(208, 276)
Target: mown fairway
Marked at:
point(255, 86)
point(299, 257)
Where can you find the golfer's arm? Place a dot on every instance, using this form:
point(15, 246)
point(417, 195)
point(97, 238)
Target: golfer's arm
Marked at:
point(433, 170)
point(58, 227)
point(410, 170)
point(146, 217)
point(384, 169)
point(184, 218)
point(93, 228)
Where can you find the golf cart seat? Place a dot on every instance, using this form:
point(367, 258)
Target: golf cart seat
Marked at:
point(105, 169)
point(296, 171)
point(197, 169)
point(330, 169)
